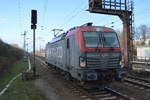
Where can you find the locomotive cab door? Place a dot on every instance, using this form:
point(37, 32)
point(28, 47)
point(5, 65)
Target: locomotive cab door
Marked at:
point(68, 54)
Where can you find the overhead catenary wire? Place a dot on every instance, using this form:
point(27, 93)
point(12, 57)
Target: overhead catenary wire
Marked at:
point(111, 23)
point(75, 15)
point(20, 15)
point(44, 13)
point(75, 9)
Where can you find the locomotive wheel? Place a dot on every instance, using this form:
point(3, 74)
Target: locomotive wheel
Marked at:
point(68, 77)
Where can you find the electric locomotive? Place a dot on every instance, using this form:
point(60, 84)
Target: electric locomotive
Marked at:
point(87, 53)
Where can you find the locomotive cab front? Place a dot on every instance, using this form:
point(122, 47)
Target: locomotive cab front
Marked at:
point(100, 54)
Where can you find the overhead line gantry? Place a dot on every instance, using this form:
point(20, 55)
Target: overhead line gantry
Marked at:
point(124, 10)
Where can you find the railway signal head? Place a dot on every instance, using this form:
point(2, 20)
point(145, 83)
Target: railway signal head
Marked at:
point(34, 17)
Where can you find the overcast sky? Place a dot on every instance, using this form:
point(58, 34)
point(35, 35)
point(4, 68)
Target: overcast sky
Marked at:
point(15, 18)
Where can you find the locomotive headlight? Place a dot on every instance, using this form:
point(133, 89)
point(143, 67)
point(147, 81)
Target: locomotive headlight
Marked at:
point(121, 64)
point(82, 62)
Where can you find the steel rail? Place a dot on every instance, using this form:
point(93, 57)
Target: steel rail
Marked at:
point(124, 97)
point(136, 83)
point(137, 78)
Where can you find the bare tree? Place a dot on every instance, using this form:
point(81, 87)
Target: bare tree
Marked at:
point(144, 31)
point(137, 35)
point(141, 32)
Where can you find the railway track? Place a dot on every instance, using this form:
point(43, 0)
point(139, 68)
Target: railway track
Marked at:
point(93, 93)
point(97, 94)
point(138, 82)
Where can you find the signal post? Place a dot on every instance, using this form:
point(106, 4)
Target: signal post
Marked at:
point(33, 26)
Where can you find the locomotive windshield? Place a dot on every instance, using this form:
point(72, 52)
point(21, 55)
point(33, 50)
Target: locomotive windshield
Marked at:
point(101, 40)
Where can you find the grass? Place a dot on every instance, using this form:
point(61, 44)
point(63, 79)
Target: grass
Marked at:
point(18, 68)
point(20, 90)
point(23, 90)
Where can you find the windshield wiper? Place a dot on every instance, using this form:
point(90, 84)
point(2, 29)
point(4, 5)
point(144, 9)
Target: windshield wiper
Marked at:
point(98, 43)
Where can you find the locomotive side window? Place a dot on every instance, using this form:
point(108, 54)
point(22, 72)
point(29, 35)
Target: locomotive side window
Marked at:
point(67, 43)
